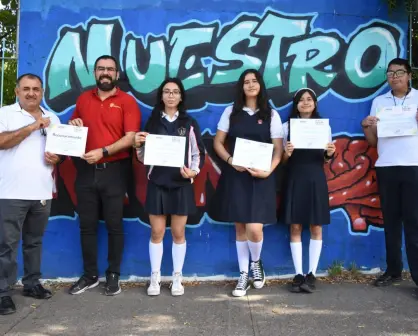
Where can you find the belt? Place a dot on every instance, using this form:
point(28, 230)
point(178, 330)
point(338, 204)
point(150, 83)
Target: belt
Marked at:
point(104, 165)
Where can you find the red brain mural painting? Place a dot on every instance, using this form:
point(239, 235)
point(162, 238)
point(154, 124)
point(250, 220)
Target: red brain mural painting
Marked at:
point(351, 182)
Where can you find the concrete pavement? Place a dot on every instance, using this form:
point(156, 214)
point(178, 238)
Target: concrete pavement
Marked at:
point(210, 310)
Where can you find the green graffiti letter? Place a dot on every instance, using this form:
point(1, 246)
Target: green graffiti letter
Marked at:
point(278, 28)
point(151, 80)
point(241, 32)
point(68, 51)
point(376, 36)
point(324, 48)
point(182, 39)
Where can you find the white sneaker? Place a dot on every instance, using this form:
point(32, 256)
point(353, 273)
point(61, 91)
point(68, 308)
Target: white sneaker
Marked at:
point(155, 284)
point(177, 288)
point(242, 285)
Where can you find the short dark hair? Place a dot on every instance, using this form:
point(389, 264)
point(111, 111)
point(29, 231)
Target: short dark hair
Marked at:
point(105, 57)
point(402, 62)
point(30, 76)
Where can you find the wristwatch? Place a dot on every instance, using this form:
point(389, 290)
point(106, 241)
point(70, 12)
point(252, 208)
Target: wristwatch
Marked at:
point(105, 152)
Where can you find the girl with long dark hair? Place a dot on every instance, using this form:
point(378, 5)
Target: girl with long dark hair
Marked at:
point(305, 201)
point(170, 190)
point(247, 196)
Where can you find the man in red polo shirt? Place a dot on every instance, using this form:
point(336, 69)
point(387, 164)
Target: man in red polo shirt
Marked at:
point(112, 117)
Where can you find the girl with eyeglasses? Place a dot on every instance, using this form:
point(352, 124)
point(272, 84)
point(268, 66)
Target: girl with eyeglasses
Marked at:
point(170, 190)
point(305, 197)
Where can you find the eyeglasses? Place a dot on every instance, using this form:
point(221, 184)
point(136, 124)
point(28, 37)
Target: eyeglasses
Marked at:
point(102, 69)
point(397, 73)
point(174, 92)
point(43, 131)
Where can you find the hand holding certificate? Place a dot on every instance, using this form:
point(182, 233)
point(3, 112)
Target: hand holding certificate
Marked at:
point(164, 150)
point(397, 121)
point(309, 133)
point(66, 140)
point(252, 154)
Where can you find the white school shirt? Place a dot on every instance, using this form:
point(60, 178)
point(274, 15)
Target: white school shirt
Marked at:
point(24, 174)
point(396, 151)
point(276, 130)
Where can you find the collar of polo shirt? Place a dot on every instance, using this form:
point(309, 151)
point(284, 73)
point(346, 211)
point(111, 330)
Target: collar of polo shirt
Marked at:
point(20, 109)
point(410, 94)
point(96, 92)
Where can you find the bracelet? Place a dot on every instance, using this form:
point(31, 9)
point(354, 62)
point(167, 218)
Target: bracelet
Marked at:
point(227, 160)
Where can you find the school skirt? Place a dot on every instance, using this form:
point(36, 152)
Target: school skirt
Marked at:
point(241, 198)
point(305, 196)
point(164, 201)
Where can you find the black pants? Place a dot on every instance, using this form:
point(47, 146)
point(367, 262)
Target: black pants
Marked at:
point(398, 188)
point(27, 219)
point(101, 189)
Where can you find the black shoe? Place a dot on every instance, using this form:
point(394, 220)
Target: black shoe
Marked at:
point(83, 284)
point(297, 282)
point(7, 306)
point(37, 292)
point(309, 285)
point(386, 280)
point(242, 285)
point(259, 277)
point(112, 284)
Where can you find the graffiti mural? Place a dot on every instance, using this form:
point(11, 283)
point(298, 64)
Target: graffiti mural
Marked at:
point(211, 55)
point(343, 59)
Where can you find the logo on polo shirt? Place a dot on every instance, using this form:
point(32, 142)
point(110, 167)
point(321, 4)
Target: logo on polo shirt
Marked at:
point(114, 105)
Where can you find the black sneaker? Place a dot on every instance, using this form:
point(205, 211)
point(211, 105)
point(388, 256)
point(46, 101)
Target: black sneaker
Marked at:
point(37, 292)
point(259, 277)
point(7, 306)
point(386, 279)
point(309, 285)
point(297, 282)
point(112, 286)
point(83, 284)
point(242, 285)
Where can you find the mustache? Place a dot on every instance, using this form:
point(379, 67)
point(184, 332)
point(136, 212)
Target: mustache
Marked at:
point(105, 76)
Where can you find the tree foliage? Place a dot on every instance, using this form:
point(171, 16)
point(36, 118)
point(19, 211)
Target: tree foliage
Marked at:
point(408, 5)
point(8, 30)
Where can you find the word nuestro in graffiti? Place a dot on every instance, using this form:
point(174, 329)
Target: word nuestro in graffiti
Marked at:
point(288, 49)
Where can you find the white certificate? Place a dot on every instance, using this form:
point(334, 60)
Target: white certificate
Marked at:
point(66, 140)
point(165, 150)
point(309, 133)
point(252, 154)
point(397, 121)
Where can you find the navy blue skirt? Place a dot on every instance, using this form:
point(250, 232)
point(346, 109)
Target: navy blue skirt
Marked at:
point(163, 201)
point(305, 196)
point(241, 198)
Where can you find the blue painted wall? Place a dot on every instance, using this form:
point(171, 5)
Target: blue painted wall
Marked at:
point(339, 48)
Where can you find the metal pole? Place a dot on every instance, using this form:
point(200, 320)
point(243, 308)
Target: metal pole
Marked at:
point(410, 38)
point(2, 70)
point(17, 33)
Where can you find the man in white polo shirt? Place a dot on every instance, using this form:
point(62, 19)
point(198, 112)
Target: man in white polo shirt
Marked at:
point(397, 174)
point(26, 186)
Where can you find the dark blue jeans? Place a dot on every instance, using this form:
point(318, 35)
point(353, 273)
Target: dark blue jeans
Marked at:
point(27, 219)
